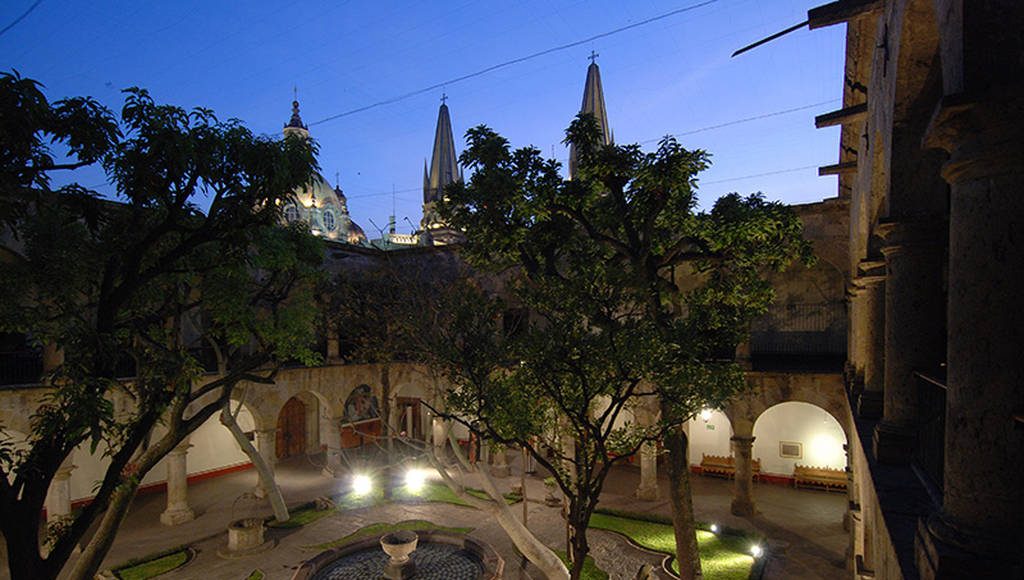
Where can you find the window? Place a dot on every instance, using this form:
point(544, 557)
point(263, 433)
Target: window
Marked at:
point(329, 222)
point(291, 213)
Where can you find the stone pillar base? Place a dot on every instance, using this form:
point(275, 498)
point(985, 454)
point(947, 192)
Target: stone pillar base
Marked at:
point(650, 493)
point(870, 404)
point(500, 470)
point(893, 444)
point(742, 507)
point(176, 516)
point(961, 557)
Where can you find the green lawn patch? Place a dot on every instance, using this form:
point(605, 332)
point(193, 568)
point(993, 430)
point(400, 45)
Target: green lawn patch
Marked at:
point(382, 528)
point(256, 575)
point(439, 492)
point(722, 556)
point(301, 516)
point(590, 570)
point(153, 566)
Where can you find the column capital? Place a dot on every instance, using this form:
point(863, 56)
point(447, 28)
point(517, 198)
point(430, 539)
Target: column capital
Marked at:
point(742, 439)
point(981, 132)
point(905, 235)
point(64, 471)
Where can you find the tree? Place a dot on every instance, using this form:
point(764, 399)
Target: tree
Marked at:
point(139, 287)
point(633, 285)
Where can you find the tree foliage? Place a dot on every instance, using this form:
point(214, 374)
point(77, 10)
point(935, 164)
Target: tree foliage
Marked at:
point(187, 260)
point(634, 293)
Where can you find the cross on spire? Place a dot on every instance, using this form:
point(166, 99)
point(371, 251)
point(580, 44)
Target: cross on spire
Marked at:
point(444, 97)
point(593, 56)
point(295, 93)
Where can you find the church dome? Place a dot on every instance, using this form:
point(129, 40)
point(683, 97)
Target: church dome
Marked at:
point(325, 209)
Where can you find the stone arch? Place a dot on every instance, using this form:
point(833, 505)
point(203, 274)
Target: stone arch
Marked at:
point(709, 434)
point(768, 389)
point(793, 432)
point(303, 423)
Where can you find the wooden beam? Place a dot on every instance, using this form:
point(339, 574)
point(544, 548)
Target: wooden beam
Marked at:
point(840, 11)
point(842, 116)
point(838, 169)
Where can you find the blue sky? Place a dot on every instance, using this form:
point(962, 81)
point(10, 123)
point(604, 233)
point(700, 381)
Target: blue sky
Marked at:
point(242, 59)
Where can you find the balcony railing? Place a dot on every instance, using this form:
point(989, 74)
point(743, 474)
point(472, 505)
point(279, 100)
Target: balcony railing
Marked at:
point(22, 367)
point(930, 451)
point(800, 337)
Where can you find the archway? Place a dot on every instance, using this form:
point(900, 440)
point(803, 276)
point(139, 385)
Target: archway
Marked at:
point(797, 433)
point(291, 429)
point(708, 433)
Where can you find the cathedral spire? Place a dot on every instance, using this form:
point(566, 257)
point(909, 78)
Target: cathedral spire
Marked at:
point(295, 126)
point(444, 164)
point(593, 103)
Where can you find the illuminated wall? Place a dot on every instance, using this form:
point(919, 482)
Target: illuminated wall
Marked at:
point(818, 434)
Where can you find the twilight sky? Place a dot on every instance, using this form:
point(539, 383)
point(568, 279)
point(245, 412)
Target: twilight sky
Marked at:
point(242, 59)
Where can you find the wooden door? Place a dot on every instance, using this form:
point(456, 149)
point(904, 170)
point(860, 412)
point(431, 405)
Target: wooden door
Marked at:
point(291, 429)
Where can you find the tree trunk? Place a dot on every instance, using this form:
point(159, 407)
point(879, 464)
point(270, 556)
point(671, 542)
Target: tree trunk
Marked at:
point(386, 412)
point(92, 557)
point(541, 556)
point(22, 540)
point(266, 474)
point(681, 495)
point(577, 549)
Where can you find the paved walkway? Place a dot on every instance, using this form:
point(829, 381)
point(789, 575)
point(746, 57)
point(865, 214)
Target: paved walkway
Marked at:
point(804, 527)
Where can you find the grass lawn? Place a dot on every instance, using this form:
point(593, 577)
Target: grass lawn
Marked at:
point(722, 556)
point(256, 575)
point(440, 492)
point(380, 529)
point(154, 567)
point(590, 569)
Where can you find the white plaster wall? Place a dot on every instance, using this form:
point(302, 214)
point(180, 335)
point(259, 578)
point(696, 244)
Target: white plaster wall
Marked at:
point(819, 433)
point(710, 437)
point(213, 447)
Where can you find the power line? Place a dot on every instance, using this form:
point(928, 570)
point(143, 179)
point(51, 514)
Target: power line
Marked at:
point(22, 17)
point(742, 177)
point(746, 120)
point(514, 61)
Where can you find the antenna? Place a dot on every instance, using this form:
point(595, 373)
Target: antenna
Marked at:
point(376, 227)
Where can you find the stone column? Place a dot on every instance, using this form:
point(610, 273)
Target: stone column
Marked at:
point(499, 464)
point(266, 442)
point(178, 511)
point(53, 357)
point(58, 497)
point(648, 489)
point(914, 328)
point(868, 311)
point(333, 349)
point(332, 456)
point(743, 498)
point(439, 436)
point(979, 533)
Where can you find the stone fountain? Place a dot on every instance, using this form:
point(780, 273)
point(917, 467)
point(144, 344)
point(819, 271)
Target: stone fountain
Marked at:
point(398, 546)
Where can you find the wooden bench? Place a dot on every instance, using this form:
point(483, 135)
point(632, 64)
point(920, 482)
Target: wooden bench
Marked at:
point(819, 478)
point(725, 466)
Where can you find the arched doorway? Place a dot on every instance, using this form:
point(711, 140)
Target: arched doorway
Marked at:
point(291, 429)
point(797, 433)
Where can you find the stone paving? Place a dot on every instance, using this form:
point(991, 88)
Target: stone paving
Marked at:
point(804, 527)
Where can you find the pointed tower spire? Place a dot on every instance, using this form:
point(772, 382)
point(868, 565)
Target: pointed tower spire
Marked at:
point(295, 126)
point(444, 164)
point(593, 103)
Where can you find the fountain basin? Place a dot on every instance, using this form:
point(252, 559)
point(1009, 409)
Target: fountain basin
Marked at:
point(439, 555)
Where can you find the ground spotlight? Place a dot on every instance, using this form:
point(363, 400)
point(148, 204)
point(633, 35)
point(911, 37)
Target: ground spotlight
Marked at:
point(415, 479)
point(362, 484)
point(756, 551)
point(714, 528)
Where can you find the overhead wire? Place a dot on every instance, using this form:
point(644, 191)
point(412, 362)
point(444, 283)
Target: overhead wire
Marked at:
point(508, 63)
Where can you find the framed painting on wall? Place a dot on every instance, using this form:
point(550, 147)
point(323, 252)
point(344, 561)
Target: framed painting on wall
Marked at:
point(791, 450)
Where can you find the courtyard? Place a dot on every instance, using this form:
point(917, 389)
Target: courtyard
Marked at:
point(805, 536)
